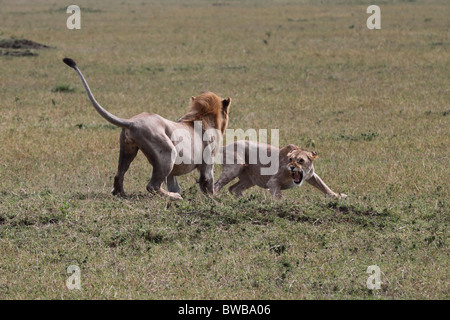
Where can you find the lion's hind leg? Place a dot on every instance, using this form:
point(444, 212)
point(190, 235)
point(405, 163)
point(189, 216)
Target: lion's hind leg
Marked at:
point(162, 162)
point(172, 184)
point(158, 177)
point(128, 152)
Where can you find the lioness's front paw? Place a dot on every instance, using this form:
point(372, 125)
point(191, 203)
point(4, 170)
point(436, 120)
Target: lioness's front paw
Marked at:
point(342, 196)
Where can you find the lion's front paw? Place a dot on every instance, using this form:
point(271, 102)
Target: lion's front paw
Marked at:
point(342, 196)
point(117, 192)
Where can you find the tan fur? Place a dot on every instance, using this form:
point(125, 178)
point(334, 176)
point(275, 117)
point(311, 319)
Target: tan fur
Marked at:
point(152, 134)
point(291, 158)
point(207, 108)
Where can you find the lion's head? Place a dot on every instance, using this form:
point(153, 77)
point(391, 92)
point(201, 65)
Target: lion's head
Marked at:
point(301, 164)
point(210, 109)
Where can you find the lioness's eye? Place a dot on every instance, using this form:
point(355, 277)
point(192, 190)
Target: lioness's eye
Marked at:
point(290, 159)
point(300, 160)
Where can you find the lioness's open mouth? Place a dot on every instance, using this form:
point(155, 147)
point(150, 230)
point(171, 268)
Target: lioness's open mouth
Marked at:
point(297, 176)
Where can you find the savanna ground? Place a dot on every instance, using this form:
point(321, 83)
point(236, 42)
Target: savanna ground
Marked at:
point(373, 103)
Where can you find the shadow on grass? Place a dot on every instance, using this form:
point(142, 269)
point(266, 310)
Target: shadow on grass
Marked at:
point(228, 211)
point(221, 211)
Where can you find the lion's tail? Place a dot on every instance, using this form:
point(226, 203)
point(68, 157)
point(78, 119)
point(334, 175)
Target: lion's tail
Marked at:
point(123, 123)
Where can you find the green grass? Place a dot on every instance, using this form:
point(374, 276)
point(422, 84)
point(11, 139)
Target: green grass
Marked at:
point(63, 88)
point(372, 103)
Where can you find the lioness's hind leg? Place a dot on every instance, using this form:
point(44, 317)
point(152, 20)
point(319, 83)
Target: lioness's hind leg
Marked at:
point(229, 172)
point(128, 152)
point(243, 184)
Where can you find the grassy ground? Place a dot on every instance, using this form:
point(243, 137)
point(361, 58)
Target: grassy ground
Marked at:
point(373, 103)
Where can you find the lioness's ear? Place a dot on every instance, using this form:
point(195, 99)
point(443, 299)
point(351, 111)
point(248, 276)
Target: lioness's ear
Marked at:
point(313, 156)
point(226, 104)
point(192, 98)
point(290, 149)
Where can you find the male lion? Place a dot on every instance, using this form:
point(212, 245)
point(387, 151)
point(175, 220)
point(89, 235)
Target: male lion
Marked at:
point(242, 159)
point(161, 140)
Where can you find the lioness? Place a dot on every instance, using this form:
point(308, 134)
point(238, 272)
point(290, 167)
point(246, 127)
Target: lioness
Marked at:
point(242, 159)
point(156, 137)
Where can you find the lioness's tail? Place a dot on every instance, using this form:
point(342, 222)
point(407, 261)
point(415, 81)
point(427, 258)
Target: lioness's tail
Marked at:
point(105, 114)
